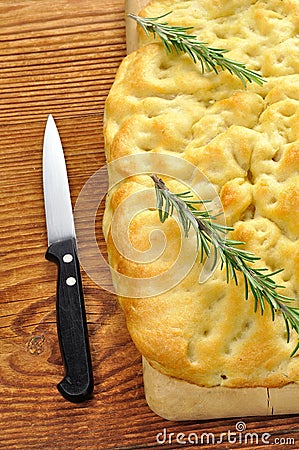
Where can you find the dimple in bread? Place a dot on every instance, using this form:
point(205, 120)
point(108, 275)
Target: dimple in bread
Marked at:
point(245, 141)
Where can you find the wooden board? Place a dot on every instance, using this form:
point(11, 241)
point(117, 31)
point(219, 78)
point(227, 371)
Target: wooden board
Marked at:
point(60, 57)
point(133, 7)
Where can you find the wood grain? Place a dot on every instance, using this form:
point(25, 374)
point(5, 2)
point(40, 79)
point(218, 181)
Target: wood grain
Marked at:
point(60, 57)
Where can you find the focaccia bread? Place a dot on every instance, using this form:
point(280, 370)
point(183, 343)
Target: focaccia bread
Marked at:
point(203, 339)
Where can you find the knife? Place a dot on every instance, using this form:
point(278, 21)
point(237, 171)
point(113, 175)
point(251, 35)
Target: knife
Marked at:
point(77, 384)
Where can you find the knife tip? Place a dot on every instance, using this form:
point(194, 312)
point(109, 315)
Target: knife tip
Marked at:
point(50, 121)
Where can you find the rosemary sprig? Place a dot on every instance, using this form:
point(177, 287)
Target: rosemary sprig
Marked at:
point(176, 39)
point(211, 235)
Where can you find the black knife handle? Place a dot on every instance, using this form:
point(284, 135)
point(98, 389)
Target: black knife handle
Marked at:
point(77, 385)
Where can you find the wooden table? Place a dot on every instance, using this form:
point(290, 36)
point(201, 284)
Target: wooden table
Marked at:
point(60, 57)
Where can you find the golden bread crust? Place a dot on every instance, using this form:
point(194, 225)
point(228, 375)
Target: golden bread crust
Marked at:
point(246, 142)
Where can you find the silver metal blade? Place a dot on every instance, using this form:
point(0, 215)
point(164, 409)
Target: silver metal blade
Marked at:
point(58, 206)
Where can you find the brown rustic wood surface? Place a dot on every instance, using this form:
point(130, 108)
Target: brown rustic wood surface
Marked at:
point(60, 57)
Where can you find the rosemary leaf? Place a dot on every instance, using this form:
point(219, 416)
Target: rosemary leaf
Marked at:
point(176, 39)
point(211, 235)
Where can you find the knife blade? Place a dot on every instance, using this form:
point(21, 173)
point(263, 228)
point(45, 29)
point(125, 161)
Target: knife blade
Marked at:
point(77, 384)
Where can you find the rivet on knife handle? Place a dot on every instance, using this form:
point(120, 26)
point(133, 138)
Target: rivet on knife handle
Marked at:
point(77, 385)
